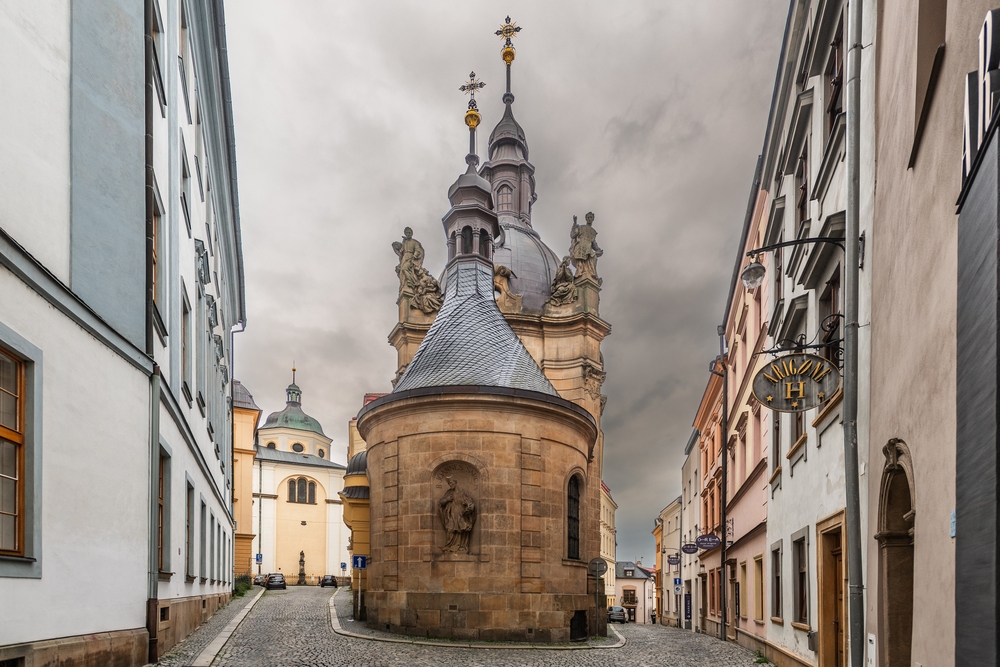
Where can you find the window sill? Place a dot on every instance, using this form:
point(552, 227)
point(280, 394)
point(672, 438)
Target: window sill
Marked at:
point(759, 621)
point(187, 393)
point(158, 325)
point(203, 580)
point(17, 559)
point(777, 621)
point(829, 407)
point(775, 475)
point(804, 627)
point(189, 579)
point(797, 446)
point(573, 562)
point(164, 576)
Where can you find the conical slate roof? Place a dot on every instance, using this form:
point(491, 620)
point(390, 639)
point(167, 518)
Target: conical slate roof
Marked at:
point(470, 342)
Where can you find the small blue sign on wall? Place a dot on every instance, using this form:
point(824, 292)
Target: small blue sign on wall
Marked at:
point(359, 562)
point(343, 566)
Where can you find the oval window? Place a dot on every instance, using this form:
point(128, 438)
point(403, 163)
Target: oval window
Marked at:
point(270, 445)
point(297, 447)
point(322, 453)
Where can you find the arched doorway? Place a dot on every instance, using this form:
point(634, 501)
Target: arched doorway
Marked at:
point(895, 539)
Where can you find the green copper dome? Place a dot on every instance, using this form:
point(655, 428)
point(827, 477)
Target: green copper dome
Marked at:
point(293, 416)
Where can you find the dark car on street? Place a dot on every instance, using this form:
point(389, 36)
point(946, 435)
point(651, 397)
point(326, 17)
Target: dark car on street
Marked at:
point(328, 580)
point(617, 614)
point(276, 581)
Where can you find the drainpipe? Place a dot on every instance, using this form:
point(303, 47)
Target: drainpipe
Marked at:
point(152, 592)
point(856, 603)
point(724, 492)
point(260, 510)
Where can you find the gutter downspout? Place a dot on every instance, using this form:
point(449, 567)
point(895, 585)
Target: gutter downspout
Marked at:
point(856, 602)
point(724, 491)
point(260, 510)
point(152, 592)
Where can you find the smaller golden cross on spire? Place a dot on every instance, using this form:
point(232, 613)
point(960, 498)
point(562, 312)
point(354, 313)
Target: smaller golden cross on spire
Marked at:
point(508, 30)
point(470, 87)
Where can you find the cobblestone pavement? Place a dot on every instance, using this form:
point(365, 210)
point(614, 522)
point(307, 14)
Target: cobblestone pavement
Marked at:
point(186, 651)
point(292, 628)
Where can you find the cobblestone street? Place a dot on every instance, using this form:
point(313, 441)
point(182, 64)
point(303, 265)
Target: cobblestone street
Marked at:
point(292, 628)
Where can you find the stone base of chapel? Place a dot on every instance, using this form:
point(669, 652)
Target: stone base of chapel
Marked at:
point(522, 617)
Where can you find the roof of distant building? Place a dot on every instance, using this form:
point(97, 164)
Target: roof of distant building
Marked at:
point(278, 456)
point(242, 397)
point(638, 572)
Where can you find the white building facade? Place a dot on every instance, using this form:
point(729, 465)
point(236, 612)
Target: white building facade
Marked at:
point(634, 590)
point(298, 512)
point(609, 541)
point(690, 517)
point(120, 284)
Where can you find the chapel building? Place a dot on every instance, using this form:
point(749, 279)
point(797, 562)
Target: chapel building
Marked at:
point(484, 462)
point(298, 514)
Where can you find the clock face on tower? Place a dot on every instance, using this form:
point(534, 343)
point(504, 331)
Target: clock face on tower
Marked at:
point(796, 382)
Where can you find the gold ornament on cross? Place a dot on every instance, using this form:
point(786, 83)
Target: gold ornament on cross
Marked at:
point(508, 31)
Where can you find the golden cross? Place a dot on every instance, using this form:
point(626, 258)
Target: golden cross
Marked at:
point(508, 30)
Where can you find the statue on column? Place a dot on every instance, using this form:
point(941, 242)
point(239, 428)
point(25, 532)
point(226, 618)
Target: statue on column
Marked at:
point(413, 277)
point(563, 290)
point(302, 569)
point(584, 249)
point(457, 510)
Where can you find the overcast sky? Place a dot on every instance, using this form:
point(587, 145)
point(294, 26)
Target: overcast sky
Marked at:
point(349, 128)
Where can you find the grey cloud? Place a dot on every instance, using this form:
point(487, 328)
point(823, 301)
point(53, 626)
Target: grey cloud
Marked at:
point(349, 127)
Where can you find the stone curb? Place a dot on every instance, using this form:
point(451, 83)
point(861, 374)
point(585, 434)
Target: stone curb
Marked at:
point(208, 654)
point(335, 624)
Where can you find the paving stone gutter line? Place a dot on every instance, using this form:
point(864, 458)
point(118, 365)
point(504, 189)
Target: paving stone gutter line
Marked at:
point(207, 656)
point(335, 624)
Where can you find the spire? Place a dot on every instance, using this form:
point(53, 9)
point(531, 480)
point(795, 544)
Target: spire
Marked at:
point(293, 394)
point(508, 31)
point(472, 116)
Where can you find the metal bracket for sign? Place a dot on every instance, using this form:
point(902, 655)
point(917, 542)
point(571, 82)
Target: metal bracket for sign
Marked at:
point(836, 240)
point(799, 344)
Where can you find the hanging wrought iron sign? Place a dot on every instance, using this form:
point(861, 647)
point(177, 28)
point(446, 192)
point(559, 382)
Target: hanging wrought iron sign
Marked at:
point(689, 548)
point(796, 382)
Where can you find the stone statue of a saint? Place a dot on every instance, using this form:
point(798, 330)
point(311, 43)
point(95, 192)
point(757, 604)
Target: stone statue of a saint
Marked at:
point(507, 301)
point(413, 277)
point(302, 569)
point(457, 510)
point(584, 249)
point(563, 290)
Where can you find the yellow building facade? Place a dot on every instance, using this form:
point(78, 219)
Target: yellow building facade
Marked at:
point(246, 414)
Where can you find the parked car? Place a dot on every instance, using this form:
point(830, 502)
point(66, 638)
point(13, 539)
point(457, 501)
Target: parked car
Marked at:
point(260, 580)
point(617, 614)
point(276, 581)
point(328, 580)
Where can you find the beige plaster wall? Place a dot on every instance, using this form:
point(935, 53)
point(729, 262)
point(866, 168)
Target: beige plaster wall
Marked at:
point(293, 537)
point(914, 272)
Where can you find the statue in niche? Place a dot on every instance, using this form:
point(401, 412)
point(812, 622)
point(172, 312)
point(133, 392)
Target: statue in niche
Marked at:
point(302, 569)
point(507, 301)
point(457, 510)
point(413, 277)
point(563, 290)
point(584, 249)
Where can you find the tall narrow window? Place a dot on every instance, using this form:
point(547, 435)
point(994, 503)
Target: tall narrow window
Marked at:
point(573, 518)
point(798, 426)
point(186, 347)
point(302, 491)
point(758, 588)
point(211, 549)
point(829, 305)
point(291, 489)
point(159, 512)
point(802, 187)
point(155, 256)
point(800, 565)
point(776, 582)
point(189, 534)
point(505, 198)
point(312, 493)
point(467, 240)
point(11, 455)
point(484, 243)
point(202, 545)
point(185, 188)
point(835, 78)
point(778, 277)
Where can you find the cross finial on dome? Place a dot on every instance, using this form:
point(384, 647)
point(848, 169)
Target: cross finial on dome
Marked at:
point(508, 31)
point(293, 371)
point(472, 116)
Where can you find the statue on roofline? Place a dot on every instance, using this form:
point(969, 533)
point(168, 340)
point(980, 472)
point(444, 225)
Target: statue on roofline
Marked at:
point(563, 290)
point(413, 277)
point(584, 249)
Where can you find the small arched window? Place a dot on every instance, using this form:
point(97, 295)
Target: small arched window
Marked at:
point(467, 240)
point(302, 491)
point(505, 198)
point(573, 518)
point(297, 447)
point(451, 246)
point(484, 243)
point(291, 490)
point(312, 493)
point(270, 445)
point(322, 454)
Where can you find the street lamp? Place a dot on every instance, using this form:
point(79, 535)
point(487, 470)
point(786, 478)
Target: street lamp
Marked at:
point(753, 274)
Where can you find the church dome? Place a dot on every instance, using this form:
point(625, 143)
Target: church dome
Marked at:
point(532, 262)
point(292, 416)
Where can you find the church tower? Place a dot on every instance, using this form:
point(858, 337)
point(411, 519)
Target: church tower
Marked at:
point(484, 503)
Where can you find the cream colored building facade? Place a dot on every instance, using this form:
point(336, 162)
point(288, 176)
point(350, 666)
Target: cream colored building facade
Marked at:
point(246, 414)
point(667, 533)
point(609, 541)
point(297, 486)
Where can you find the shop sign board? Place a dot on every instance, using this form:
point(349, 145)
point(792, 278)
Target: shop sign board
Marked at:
point(673, 560)
point(707, 541)
point(796, 382)
point(689, 548)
